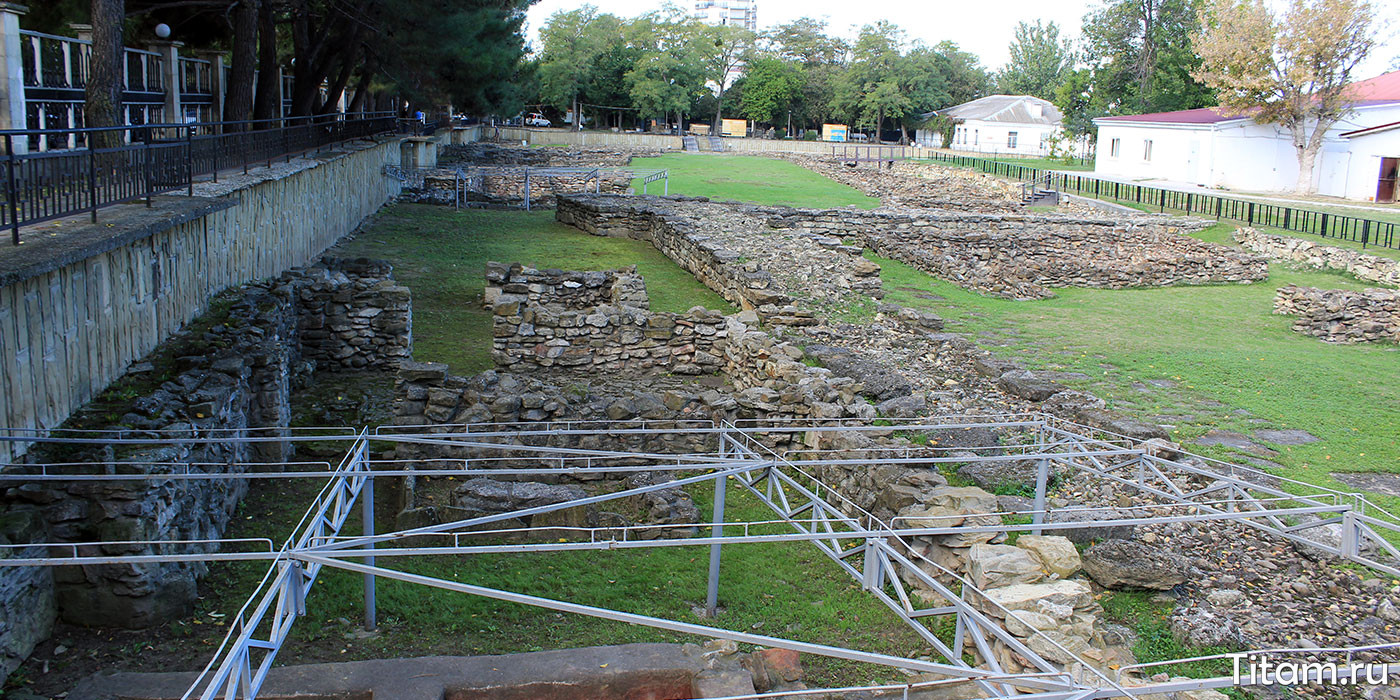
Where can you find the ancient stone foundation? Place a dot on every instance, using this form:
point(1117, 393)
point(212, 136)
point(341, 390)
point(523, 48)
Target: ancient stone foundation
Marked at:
point(1363, 266)
point(1341, 315)
point(1022, 256)
point(232, 370)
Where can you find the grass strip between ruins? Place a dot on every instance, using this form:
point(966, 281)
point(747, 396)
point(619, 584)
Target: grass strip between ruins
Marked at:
point(441, 254)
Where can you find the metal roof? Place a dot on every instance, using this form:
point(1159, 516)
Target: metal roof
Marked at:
point(1015, 109)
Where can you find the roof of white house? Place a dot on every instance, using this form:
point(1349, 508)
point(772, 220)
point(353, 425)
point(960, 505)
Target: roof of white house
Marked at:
point(1382, 89)
point(1014, 109)
point(1359, 133)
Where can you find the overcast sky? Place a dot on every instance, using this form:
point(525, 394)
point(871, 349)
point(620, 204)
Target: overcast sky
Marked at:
point(984, 27)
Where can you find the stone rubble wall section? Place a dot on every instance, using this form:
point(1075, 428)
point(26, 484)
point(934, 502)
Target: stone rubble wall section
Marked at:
point(1363, 266)
point(242, 383)
point(441, 186)
point(565, 289)
point(352, 314)
point(648, 218)
point(1342, 315)
point(1021, 256)
point(919, 185)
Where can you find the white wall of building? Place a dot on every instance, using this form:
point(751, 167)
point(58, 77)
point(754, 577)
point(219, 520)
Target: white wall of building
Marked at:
point(1242, 155)
point(1362, 168)
point(979, 136)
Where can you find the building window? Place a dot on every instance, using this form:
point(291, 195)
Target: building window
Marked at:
point(1044, 139)
point(1147, 149)
point(1011, 140)
point(1113, 148)
point(974, 137)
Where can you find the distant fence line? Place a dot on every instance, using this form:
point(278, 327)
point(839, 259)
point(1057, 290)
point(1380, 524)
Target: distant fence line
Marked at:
point(1367, 232)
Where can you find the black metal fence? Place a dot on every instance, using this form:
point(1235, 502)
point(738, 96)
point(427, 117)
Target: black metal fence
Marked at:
point(153, 159)
point(1367, 232)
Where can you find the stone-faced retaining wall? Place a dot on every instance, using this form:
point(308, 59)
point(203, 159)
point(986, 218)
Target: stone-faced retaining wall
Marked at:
point(352, 315)
point(1342, 315)
point(1363, 266)
point(230, 374)
point(1020, 256)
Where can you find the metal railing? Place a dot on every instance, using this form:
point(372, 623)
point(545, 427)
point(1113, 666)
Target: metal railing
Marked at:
point(153, 159)
point(1367, 232)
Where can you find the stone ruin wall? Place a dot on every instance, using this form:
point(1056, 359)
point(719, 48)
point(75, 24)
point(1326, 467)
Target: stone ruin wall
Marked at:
point(648, 218)
point(1341, 315)
point(335, 315)
point(919, 185)
point(1363, 266)
point(1022, 256)
point(593, 321)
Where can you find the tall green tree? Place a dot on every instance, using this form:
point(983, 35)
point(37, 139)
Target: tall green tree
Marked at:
point(1140, 58)
point(570, 42)
point(721, 50)
point(1040, 61)
point(772, 87)
point(669, 75)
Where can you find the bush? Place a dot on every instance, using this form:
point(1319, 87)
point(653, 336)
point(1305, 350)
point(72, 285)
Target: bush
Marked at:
point(811, 135)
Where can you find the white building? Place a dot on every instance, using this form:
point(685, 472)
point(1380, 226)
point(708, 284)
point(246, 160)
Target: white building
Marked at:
point(740, 13)
point(1203, 147)
point(1009, 124)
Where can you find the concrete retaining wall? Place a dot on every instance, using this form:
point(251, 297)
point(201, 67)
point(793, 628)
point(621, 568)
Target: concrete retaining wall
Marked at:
point(74, 322)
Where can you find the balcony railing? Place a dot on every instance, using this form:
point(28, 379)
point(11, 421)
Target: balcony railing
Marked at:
point(138, 162)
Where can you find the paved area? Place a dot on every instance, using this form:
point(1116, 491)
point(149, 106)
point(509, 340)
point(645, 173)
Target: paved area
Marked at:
point(623, 671)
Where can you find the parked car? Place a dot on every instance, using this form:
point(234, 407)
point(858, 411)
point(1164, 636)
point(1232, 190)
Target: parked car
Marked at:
point(536, 119)
point(860, 137)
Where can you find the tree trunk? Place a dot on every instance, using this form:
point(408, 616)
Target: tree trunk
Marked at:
point(268, 104)
point(238, 100)
point(1307, 149)
point(103, 106)
point(719, 109)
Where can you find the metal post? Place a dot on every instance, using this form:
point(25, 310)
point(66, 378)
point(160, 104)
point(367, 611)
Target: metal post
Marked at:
point(367, 508)
point(13, 188)
point(527, 188)
point(712, 592)
point(1042, 482)
point(870, 572)
point(1349, 544)
point(189, 157)
point(297, 581)
point(92, 180)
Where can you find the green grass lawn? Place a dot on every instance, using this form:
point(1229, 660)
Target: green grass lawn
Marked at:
point(750, 179)
point(1235, 365)
point(441, 253)
point(788, 590)
point(1046, 163)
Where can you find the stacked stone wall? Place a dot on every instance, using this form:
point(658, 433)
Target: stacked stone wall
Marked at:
point(352, 314)
point(230, 374)
point(1341, 315)
point(1363, 266)
point(648, 218)
point(1022, 256)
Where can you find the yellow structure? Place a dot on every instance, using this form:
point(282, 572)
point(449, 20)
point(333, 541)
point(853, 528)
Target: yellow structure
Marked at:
point(734, 127)
point(834, 132)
